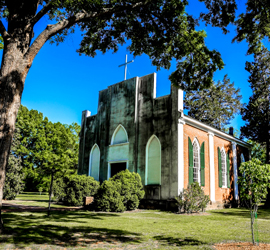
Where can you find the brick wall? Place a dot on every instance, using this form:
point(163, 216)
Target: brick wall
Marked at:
point(221, 194)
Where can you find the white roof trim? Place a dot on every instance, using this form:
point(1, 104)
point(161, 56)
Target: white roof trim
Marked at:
point(216, 132)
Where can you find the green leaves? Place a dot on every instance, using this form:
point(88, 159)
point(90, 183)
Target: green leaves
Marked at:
point(163, 31)
point(256, 112)
point(120, 193)
point(215, 106)
point(254, 181)
point(192, 199)
point(46, 147)
point(253, 25)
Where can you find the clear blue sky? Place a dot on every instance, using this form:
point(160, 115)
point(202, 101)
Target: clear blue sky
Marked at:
point(61, 84)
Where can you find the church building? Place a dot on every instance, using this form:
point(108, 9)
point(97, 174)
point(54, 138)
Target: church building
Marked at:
point(135, 130)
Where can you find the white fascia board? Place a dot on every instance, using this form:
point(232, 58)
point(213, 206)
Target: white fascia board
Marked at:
point(216, 132)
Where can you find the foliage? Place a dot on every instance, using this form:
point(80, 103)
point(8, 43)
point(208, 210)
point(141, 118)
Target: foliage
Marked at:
point(122, 192)
point(58, 191)
point(40, 189)
point(192, 199)
point(252, 25)
point(161, 29)
point(215, 106)
point(256, 114)
point(253, 182)
point(46, 148)
point(131, 188)
point(108, 197)
point(258, 151)
point(14, 183)
point(71, 189)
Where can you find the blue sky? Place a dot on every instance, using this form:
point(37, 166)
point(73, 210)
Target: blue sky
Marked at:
point(61, 84)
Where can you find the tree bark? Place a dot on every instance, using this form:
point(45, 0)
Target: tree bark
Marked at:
point(252, 225)
point(12, 77)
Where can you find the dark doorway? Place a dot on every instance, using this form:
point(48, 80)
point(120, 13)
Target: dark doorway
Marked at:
point(118, 167)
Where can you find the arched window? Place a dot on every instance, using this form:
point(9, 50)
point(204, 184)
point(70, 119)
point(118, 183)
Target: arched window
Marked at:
point(196, 170)
point(119, 135)
point(153, 161)
point(223, 168)
point(196, 161)
point(94, 162)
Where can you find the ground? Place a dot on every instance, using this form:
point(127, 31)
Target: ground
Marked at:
point(28, 227)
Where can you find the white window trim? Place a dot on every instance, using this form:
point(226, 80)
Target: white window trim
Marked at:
point(146, 157)
point(90, 160)
point(199, 159)
point(222, 151)
point(114, 133)
point(115, 161)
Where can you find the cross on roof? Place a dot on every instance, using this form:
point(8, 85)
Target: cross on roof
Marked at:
point(125, 64)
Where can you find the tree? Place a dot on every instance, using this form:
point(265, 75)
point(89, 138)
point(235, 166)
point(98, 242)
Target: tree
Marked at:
point(161, 29)
point(14, 183)
point(44, 148)
point(31, 125)
point(258, 151)
point(253, 182)
point(215, 106)
point(256, 113)
point(252, 25)
point(60, 151)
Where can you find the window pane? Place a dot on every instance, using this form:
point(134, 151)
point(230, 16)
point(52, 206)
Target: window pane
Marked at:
point(223, 167)
point(196, 166)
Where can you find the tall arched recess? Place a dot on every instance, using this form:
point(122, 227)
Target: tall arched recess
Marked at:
point(94, 162)
point(153, 162)
point(119, 135)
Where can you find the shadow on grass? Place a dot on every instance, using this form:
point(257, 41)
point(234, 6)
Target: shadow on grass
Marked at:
point(243, 212)
point(39, 217)
point(178, 241)
point(25, 229)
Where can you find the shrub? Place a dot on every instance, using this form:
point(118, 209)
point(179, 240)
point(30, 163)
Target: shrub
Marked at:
point(122, 192)
point(59, 187)
point(192, 199)
point(71, 189)
point(14, 183)
point(131, 188)
point(108, 198)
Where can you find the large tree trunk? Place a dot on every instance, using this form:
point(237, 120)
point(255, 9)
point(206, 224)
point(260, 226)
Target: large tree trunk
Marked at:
point(12, 77)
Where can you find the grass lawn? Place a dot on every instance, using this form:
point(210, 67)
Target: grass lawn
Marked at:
point(34, 199)
point(144, 229)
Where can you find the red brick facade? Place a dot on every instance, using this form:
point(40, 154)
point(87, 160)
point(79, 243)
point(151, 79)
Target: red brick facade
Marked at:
point(221, 194)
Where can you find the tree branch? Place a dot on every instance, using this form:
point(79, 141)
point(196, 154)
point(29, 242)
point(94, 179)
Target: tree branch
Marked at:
point(41, 13)
point(3, 31)
point(54, 29)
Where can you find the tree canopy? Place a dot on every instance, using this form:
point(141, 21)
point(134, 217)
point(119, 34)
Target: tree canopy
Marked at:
point(256, 113)
point(216, 105)
point(251, 25)
point(254, 180)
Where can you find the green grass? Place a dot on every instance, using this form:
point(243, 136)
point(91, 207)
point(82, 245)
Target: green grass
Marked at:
point(34, 199)
point(144, 229)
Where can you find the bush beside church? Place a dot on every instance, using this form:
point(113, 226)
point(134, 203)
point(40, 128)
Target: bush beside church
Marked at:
point(120, 193)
